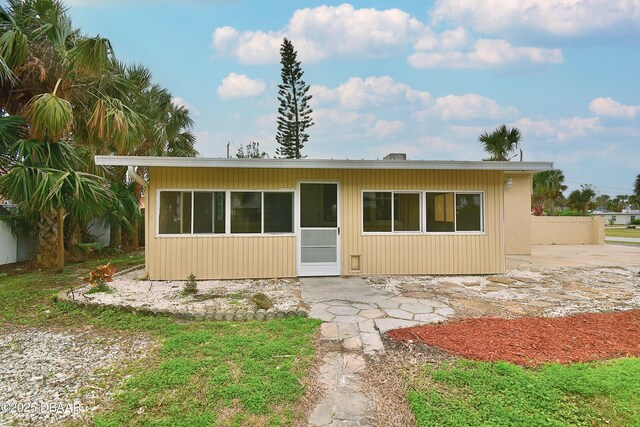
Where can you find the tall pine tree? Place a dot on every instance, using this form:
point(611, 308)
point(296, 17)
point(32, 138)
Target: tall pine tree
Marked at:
point(294, 111)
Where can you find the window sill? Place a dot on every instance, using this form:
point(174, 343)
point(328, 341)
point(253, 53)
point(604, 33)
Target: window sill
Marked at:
point(420, 233)
point(223, 235)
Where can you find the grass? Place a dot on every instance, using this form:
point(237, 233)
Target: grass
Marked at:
point(203, 373)
point(622, 232)
point(469, 393)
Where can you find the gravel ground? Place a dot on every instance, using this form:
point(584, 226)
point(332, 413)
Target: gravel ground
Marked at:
point(550, 292)
point(213, 295)
point(48, 376)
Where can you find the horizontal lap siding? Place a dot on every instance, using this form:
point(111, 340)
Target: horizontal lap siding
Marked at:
point(275, 256)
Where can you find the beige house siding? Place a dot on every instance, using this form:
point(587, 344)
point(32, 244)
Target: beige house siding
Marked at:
point(237, 256)
point(567, 230)
point(517, 221)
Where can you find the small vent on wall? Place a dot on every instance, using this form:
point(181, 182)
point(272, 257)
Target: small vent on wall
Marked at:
point(355, 262)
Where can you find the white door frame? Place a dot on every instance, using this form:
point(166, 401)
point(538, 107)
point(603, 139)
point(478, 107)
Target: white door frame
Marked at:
point(319, 268)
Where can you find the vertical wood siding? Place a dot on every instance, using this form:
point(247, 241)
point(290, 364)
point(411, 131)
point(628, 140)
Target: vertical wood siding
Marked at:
point(210, 257)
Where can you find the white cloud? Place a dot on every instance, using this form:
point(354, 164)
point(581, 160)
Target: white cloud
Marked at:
point(339, 120)
point(556, 17)
point(385, 128)
point(437, 144)
point(240, 86)
point(464, 107)
point(485, 53)
point(323, 31)
point(326, 31)
point(561, 129)
point(357, 93)
point(181, 102)
point(612, 108)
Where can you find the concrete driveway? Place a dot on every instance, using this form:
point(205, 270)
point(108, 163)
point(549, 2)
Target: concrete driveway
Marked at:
point(550, 256)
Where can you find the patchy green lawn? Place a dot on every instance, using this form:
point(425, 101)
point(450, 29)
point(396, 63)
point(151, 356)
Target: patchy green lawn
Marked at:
point(204, 373)
point(468, 393)
point(622, 232)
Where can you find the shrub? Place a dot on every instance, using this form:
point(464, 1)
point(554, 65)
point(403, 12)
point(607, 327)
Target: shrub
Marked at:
point(571, 213)
point(99, 277)
point(190, 286)
point(635, 222)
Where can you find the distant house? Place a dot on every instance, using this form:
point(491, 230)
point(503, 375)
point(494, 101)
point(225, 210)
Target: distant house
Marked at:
point(260, 218)
point(618, 218)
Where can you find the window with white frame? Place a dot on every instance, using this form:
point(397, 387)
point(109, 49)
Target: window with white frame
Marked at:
point(191, 212)
point(428, 212)
point(388, 211)
point(261, 212)
point(454, 212)
point(205, 212)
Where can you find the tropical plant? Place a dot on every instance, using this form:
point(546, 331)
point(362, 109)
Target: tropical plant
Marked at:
point(636, 188)
point(61, 86)
point(501, 143)
point(251, 151)
point(44, 180)
point(294, 111)
point(71, 88)
point(549, 185)
point(581, 200)
point(99, 277)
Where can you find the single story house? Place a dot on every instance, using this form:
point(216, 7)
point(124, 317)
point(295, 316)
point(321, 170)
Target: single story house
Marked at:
point(262, 218)
point(626, 217)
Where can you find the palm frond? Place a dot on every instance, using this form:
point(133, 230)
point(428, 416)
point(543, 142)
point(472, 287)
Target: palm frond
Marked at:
point(91, 55)
point(50, 117)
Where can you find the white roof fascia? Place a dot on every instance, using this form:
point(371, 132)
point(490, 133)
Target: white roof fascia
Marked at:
point(204, 162)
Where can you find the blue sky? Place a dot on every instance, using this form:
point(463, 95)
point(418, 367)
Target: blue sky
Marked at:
point(423, 78)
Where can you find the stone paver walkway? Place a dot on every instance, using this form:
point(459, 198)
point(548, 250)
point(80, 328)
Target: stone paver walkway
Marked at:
point(355, 315)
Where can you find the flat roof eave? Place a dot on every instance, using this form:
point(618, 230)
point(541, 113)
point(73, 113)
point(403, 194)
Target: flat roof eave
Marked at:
point(213, 162)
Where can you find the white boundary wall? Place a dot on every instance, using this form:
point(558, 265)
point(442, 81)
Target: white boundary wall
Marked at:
point(8, 245)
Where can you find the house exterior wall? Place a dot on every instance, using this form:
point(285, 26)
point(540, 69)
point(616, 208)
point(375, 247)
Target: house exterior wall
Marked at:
point(619, 218)
point(567, 230)
point(263, 256)
point(8, 245)
point(517, 219)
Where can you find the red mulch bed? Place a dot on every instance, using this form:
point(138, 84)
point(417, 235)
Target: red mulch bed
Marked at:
point(531, 341)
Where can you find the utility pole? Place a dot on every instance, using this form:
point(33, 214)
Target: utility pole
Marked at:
point(228, 144)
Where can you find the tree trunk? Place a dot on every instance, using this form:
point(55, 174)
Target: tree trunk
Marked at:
point(552, 206)
point(60, 255)
point(116, 236)
point(47, 239)
point(74, 239)
point(134, 241)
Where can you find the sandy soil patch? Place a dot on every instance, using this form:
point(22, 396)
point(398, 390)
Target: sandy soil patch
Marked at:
point(213, 295)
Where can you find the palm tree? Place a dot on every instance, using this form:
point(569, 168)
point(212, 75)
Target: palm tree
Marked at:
point(550, 185)
point(44, 181)
point(636, 188)
point(500, 143)
point(67, 89)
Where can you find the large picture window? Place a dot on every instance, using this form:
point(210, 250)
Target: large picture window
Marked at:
point(188, 212)
point(386, 211)
point(205, 212)
point(428, 212)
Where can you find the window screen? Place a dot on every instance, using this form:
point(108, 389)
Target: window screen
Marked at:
point(469, 212)
point(406, 212)
point(440, 212)
point(376, 211)
point(246, 212)
point(278, 212)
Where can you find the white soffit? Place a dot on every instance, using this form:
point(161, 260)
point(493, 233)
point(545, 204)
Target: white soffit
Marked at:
point(205, 162)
